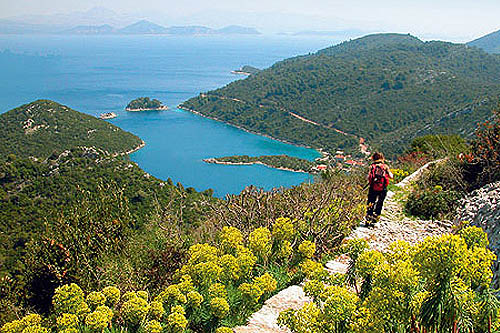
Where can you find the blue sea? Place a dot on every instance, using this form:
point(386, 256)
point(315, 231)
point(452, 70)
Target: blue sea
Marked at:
point(96, 74)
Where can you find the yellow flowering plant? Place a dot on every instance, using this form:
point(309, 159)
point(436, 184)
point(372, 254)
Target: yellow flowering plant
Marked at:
point(153, 326)
point(194, 299)
point(112, 295)
point(30, 323)
point(68, 299)
point(95, 299)
point(230, 268)
point(437, 284)
point(176, 322)
point(66, 321)
point(259, 241)
point(219, 307)
point(307, 249)
point(230, 239)
point(217, 290)
point(134, 311)
point(156, 310)
point(251, 293)
point(98, 320)
point(223, 330)
point(283, 229)
point(266, 283)
point(217, 284)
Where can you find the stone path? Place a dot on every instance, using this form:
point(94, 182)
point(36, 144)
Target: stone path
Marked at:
point(393, 225)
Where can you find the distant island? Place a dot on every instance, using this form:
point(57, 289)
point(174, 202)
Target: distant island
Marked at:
point(246, 70)
point(282, 162)
point(145, 104)
point(104, 29)
point(108, 115)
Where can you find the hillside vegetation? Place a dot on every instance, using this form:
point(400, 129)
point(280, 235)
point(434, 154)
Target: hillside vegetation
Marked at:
point(83, 215)
point(39, 128)
point(386, 88)
point(61, 218)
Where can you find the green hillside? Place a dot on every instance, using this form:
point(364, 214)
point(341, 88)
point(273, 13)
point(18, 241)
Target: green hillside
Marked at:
point(78, 204)
point(39, 128)
point(63, 218)
point(489, 43)
point(386, 88)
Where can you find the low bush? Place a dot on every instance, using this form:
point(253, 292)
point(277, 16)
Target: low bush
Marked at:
point(218, 286)
point(438, 285)
point(433, 203)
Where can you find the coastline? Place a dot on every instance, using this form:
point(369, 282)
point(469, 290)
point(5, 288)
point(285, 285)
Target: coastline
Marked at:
point(241, 73)
point(161, 108)
point(318, 150)
point(142, 145)
point(214, 161)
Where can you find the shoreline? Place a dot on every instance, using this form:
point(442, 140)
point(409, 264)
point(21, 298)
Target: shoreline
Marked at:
point(128, 152)
point(318, 150)
point(241, 73)
point(161, 108)
point(215, 161)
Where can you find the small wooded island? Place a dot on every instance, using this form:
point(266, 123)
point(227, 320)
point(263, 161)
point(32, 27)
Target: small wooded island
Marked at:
point(145, 104)
point(282, 162)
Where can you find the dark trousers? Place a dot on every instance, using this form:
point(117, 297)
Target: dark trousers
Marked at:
point(375, 202)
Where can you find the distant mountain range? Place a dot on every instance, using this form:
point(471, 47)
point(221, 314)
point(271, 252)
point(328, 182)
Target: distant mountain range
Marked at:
point(490, 43)
point(142, 27)
point(90, 30)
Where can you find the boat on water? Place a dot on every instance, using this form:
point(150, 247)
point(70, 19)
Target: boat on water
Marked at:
point(108, 115)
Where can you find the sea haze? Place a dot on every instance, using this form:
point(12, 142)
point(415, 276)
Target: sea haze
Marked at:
point(96, 74)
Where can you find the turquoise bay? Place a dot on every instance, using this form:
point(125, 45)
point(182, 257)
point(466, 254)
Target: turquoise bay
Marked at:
point(102, 74)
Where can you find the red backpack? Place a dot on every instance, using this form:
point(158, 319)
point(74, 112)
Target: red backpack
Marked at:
point(378, 178)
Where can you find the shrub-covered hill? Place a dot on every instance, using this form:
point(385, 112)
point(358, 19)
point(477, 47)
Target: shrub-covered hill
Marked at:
point(386, 88)
point(490, 43)
point(61, 218)
point(39, 128)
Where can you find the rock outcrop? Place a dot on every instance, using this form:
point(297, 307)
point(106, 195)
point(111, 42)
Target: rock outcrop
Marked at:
point(482, 208)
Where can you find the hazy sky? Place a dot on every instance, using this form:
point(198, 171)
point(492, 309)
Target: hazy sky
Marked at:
point(455, 19)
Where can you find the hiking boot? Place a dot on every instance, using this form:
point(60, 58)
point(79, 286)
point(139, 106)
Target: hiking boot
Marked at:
point(369, 221)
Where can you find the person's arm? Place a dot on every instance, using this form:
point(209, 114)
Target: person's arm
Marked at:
point(391, 176)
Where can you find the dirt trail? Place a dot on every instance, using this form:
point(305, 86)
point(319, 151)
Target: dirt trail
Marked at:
point(393, 225)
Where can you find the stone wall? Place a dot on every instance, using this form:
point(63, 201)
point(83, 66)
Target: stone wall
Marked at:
point(482, 209)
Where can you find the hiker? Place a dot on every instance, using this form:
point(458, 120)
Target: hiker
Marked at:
point(378, 180)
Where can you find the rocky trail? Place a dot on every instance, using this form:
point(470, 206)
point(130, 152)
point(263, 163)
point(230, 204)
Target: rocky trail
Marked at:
point(393, 226)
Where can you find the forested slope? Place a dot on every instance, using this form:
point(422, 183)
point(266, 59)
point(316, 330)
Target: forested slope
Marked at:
point(386, 88)
point(490, 43)
point(39, 128)
point(69, 204)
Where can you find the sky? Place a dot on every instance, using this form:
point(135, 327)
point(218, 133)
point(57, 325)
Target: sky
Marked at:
point(456, 20)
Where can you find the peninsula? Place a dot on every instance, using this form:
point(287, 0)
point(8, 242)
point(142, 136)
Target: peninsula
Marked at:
point(281, 162)
point(246, 70)
point(145, 104)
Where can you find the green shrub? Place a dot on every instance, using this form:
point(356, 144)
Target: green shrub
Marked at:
point(431, 203)
point(436, 285)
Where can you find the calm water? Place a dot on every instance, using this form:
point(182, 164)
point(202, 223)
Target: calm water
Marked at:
point(102, 74)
